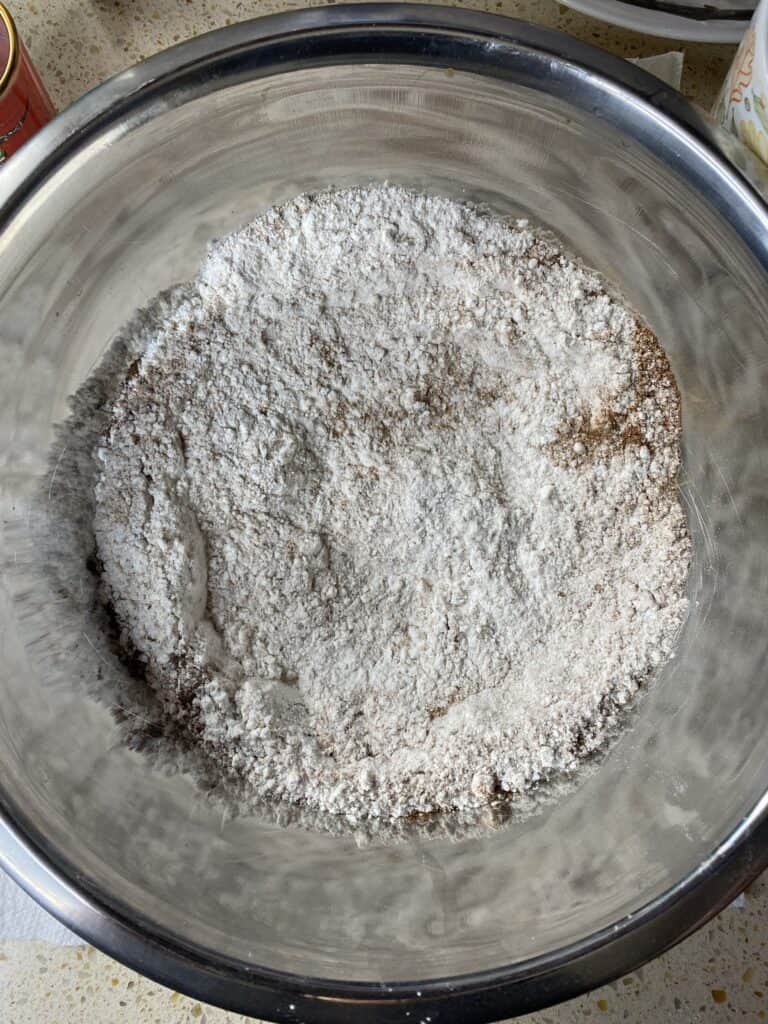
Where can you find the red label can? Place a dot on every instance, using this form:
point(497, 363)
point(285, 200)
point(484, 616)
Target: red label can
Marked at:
point(24, 104)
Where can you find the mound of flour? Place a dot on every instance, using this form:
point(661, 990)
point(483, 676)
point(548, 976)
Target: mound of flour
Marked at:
point(386, 506)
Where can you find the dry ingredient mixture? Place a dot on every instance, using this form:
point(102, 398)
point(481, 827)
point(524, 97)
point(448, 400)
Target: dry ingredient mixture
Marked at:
point(386, 505)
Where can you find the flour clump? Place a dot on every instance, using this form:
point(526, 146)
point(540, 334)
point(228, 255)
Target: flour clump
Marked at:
point(385, 505)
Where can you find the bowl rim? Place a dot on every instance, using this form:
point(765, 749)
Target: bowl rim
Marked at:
point(660, 119)
point(665, 20)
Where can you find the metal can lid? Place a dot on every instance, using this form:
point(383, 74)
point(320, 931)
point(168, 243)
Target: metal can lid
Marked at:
point(9, 48)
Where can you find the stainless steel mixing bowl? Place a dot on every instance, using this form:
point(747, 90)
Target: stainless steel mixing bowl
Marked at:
point(117, 199)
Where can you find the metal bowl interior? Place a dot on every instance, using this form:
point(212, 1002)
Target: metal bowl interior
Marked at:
point(116, 200)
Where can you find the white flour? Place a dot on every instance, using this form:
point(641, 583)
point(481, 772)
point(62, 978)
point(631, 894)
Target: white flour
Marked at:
point(387, 505)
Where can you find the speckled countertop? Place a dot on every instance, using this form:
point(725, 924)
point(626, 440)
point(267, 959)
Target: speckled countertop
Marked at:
point(719, 974)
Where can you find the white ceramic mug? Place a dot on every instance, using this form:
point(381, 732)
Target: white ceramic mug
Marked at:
point(742, 106)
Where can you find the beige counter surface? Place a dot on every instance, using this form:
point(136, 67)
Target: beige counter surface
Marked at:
point(719, 974)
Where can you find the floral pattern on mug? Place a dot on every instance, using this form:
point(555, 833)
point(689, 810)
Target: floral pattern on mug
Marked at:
point(742, 107)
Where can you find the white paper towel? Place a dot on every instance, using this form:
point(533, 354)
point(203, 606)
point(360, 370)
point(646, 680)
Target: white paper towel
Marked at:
point(666, 66)
point(22, 918)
